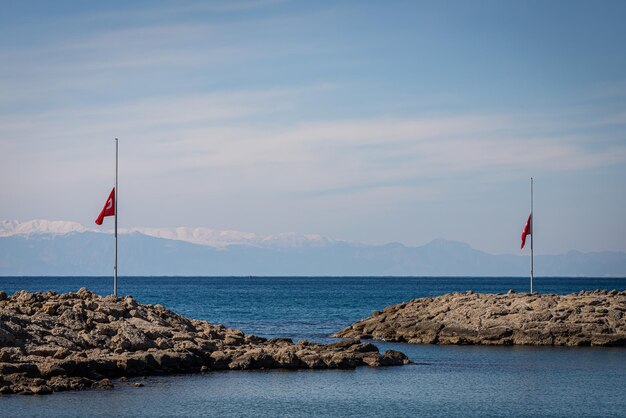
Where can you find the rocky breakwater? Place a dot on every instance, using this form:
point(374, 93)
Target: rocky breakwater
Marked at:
point(587, 318)
point(55, 342)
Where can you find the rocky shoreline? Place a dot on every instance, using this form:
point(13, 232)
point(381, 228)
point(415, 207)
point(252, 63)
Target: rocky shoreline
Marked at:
point(55, 342)
point(587, 318)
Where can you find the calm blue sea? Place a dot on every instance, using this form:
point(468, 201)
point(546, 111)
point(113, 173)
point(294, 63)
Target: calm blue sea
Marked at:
point(442, 381)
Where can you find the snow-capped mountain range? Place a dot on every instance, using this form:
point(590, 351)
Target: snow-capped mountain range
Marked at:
point(202, 236)
point(39, 226)
point(62, 248)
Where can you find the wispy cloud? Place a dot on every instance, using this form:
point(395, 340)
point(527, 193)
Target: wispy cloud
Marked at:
point(233, 132)
point(131, 57)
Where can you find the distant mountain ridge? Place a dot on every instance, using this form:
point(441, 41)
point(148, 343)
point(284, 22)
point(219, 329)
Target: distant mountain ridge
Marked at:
point(55, 248)
point(203, 236)
point(39, 226)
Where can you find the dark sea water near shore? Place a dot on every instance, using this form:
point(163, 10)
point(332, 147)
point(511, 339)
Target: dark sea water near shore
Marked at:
point(441, 381)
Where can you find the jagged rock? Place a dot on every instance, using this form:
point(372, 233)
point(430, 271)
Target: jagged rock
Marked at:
point(588, 318)
point(219, 360)
point(104, 384)
point(53, 342)
point(6, 338)
point(41, 390)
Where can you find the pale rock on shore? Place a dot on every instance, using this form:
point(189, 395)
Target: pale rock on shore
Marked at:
point(55, 342)
point(587, 318)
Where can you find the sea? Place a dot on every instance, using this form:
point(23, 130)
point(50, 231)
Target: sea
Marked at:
point(446, 381)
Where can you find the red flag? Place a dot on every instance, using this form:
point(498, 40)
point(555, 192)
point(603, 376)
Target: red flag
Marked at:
point(108, 209)
point(527, 230)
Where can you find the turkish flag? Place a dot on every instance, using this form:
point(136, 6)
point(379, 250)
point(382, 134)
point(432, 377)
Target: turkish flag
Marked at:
point(108, 209)
point(527, 230)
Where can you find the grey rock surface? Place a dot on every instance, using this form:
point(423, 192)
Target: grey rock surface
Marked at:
point(54, 342)
point(587, 318)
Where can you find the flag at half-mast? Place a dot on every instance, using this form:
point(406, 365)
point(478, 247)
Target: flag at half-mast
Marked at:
point(528, 230)
point(108, 209)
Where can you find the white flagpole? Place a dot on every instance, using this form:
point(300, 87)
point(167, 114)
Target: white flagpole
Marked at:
point(116, 199)
point(532, 234)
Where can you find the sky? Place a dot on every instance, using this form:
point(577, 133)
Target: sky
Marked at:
point(373, 122)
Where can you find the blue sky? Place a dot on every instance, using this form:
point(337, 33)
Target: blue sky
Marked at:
point(365, 121)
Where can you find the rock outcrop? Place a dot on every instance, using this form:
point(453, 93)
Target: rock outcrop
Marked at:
point(55, 342)
point(587, 318)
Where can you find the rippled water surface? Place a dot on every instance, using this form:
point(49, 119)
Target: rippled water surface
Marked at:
point(442, 381)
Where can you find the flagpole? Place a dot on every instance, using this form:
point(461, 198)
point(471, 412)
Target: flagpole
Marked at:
point(532, 234)
point(116, 199)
